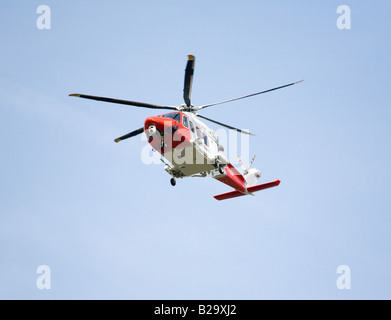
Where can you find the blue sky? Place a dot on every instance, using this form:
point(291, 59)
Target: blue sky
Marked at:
point(111, 227)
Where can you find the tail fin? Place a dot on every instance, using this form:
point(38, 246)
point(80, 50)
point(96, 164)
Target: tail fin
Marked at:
point(234, 194)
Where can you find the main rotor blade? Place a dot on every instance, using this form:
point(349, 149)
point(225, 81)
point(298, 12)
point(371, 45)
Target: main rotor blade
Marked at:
point(188, 80)
point(250, 95)
point(225, 125)
point(129, 135)
point(127, 102)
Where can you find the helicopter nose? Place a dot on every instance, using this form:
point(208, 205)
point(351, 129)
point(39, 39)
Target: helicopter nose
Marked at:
point(152, 128)
point(153, 125)
point(156, 128)
point(160, 124)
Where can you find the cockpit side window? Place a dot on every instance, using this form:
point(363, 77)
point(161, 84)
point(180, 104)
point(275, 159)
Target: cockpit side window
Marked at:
point(185, 122)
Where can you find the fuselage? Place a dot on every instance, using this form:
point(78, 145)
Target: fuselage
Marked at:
point(191, 148)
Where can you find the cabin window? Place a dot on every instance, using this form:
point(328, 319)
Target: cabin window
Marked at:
point(199, 134)
point(185, 122)
point(206, 139)
point(192, 127)
point(173, 115)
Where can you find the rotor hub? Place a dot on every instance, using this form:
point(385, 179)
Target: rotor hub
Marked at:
point(184, 107)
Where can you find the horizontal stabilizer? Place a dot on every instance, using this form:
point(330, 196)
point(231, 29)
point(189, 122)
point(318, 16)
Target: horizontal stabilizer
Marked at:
point(234, 194)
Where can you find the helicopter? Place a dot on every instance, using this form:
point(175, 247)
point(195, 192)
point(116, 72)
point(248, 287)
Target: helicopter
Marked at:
point(188, 147)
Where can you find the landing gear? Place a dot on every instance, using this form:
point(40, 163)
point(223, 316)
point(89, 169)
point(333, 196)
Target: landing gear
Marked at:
point(221, 169)
point(173, 182)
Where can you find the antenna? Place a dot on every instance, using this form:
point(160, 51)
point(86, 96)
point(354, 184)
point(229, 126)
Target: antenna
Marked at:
point(245, 170)
point(252, 161)
point(241, 163)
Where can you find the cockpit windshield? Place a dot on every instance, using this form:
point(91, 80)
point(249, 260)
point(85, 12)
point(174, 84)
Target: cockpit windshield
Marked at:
point(173, 115)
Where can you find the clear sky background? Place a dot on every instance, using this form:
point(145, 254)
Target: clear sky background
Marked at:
point(111, 227)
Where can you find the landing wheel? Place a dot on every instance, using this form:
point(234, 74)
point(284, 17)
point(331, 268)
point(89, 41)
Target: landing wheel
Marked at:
point(221, 169)
point(173, 182)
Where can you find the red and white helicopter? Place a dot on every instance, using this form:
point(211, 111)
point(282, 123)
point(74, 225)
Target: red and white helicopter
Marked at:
point(188, 147)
